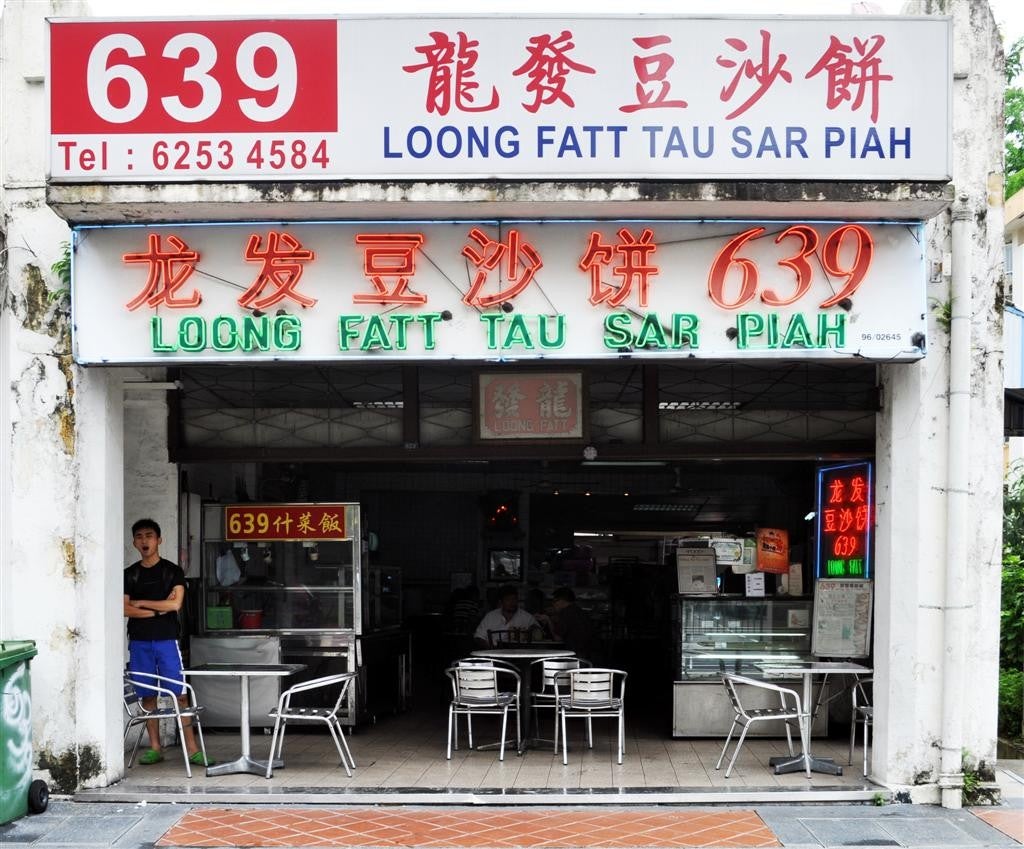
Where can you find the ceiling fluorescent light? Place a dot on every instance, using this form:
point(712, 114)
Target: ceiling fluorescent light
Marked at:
point(623, 463)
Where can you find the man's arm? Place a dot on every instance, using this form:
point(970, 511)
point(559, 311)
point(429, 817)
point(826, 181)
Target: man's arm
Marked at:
point(171, 604)
point(133, 611)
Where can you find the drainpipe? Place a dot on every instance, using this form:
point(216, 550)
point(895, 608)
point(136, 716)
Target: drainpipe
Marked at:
point(956, 608)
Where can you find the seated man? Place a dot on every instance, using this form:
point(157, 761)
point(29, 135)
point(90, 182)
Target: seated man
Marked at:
point(505, 617)
point(571, 625)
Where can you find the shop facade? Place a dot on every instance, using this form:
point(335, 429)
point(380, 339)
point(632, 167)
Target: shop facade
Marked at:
point(748, 317)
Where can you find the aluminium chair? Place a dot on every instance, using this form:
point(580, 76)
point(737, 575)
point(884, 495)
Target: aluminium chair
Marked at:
point(789, 711)
point(543, 671)
point(862, 713)
point(329, 715)
point(477, 689)
point(164, 689)
point(589, 693)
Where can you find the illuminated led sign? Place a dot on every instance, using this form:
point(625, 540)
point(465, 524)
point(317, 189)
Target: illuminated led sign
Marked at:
point(845, 514)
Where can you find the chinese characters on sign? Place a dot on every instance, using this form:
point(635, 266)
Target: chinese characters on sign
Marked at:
point(269, 522)
point(530, 406)
point(488, 96)
point(493, 290)
point(845, 518)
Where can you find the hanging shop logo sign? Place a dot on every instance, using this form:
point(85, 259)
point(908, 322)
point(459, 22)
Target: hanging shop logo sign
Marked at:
point(497, 291)
point(844, 520)
point(269, 522)
point(500, 97)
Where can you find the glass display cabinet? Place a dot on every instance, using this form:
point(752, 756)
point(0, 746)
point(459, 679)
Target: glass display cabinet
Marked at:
point(276, 600)
point(715, 634)
point(289, 585)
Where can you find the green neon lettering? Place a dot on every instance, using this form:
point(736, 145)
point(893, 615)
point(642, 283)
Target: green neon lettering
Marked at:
point(798, 334)
point(376, 335)
point(346, 331)
point(255, 333)
point(401, 323)
point(429, 321)
point(773, 330)
point(545, 340)
point(156, 336)
point(748, 324)
point(217, 326)
point(192, 333)
point(492, 320)
point(684, 330)
point(838, 330)
point(518, 333)
point(651, 333)
point(616, 331)
point(287, 333)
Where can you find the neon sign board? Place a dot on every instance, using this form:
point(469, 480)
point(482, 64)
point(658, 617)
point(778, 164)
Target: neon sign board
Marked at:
point(497, 291)
point(845, 514)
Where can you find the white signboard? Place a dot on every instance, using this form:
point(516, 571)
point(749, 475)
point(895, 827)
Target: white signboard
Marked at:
point(486, 97)
point(497, 291)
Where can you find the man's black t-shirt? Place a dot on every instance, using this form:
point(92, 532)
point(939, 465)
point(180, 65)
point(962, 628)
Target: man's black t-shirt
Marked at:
point(153, 583)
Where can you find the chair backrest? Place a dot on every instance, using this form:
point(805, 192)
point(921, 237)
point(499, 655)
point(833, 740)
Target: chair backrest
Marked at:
point(860, 693)
point(478, 683)
point(132, 702)
point(550, 667)
point(325, 682)
point(732, 682)
point(593, 687)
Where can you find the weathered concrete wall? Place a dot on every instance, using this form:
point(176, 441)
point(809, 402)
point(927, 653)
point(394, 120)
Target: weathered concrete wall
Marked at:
point(911, 615)
point(61, 438)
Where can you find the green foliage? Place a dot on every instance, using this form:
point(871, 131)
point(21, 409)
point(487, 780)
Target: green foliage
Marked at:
point(1011, 614)
point(943, 313)
point(1013, 116)
point(62, 271)
point(972, 779)
point(1011, 630)
point(1011, 703)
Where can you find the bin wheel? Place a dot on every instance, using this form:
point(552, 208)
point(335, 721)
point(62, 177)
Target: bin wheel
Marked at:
point(38, 796)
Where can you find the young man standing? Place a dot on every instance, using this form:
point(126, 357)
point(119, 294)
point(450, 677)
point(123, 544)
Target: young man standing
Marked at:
point(154, 591)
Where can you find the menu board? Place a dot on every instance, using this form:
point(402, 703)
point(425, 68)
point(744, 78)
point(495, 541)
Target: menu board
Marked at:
point(842, 618)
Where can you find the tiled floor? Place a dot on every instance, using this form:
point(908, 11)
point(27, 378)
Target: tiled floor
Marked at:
point(1010, 821)
point(408, 751)
point(616, 829)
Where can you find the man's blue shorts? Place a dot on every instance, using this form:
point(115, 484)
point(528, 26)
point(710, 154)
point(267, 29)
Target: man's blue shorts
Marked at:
point(155, 657)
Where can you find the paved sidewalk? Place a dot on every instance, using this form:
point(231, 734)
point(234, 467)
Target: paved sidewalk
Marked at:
point(79, 825)
point(90, 825)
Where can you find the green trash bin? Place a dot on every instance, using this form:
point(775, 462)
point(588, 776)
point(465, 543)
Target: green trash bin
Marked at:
point(19, 794)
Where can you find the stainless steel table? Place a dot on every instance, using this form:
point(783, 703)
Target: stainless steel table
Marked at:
point(805, 761)
point(244, 672)
point(523, 658)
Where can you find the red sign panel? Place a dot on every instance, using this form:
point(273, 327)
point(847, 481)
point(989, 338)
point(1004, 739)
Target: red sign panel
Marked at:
point(531, 406)
point(269, 522)
point(245, 76)
point(845, 508)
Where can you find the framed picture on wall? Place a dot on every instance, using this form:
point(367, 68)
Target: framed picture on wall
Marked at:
point(529, 405)
point(505, 564)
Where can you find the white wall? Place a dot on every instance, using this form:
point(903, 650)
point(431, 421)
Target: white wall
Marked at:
point(916, 663)
point(61, 449)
